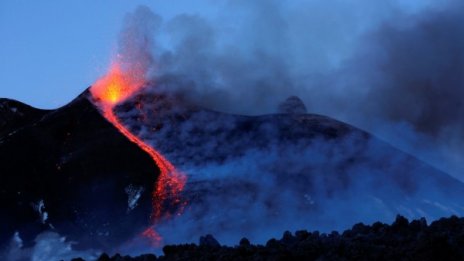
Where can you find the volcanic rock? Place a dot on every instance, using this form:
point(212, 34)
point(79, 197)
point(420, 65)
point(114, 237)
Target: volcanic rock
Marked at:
point(209, 241)
point(292, 105)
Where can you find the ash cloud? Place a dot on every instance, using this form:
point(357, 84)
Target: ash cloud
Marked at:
point(390, 68)
point(258, 53)
point(413, 84)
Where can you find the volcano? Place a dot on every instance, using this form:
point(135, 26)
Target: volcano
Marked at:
point(71, 171)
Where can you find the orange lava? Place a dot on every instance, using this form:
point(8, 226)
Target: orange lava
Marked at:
point(115, 87)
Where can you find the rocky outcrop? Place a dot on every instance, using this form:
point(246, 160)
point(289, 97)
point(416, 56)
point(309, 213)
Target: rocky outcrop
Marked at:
point(292, 105)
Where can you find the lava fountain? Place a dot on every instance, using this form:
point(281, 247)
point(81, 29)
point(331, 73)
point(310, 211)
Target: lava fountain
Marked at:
point(114, 88)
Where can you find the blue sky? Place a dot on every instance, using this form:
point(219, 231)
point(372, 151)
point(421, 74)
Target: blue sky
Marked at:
point(50, 51)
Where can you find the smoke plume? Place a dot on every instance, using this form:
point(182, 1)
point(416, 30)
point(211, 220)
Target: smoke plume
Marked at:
point(392, 68)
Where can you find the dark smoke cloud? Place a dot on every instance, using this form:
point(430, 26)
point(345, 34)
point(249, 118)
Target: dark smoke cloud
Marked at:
point(392, 69)
point(421, 71)
point(413, 71)
point(258, 53)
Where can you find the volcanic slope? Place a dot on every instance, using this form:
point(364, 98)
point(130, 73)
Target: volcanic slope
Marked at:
point(81, 169)
point(255, 176)
point(246, 174)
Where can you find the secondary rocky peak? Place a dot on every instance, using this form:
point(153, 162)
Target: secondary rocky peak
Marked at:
point(292, 105)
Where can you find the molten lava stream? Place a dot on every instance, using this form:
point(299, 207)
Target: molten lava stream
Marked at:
point(113, 89)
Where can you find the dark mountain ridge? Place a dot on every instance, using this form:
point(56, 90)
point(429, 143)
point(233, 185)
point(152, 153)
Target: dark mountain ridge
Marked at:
point(15, 114)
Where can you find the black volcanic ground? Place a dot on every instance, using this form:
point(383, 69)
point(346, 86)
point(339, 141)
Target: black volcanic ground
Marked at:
point(302, 169)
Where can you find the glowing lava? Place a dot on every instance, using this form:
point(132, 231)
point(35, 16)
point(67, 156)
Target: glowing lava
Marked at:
point(115, 87)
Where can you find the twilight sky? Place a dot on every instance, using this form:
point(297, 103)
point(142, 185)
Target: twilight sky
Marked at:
point(51, 50)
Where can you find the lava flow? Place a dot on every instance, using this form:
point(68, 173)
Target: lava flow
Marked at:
point(112, 89)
